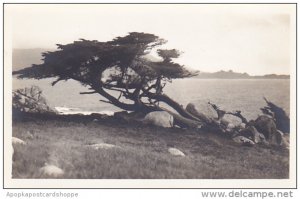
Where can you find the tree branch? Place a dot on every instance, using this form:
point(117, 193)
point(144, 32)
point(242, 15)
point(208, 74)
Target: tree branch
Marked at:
point(56, 81)
point(221, 113)
point(169, 101)
point(91, 92)
point(105, 101)
point(239, 115)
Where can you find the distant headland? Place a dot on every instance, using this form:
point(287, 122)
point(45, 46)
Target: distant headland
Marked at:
point(234, 75)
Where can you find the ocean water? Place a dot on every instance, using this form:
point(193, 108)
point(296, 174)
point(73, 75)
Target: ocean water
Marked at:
point(245, 95)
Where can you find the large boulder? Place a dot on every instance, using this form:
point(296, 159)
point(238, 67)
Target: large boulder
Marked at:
point(191, 108)
point(266, 125)
point(252, 133)
point(159, 118)
point(280, 139)
point(30, 100)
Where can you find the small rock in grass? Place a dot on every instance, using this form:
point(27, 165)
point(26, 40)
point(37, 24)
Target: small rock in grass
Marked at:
point(28, 135)
point(12, 151)
point(176, 152)
point(243, 140)
point(17, 141)
point(51, 171)
point(102, 146)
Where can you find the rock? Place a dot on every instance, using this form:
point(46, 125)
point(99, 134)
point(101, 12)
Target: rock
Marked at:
point(121, 114)
point(205, 108)
point(95, 120)
point(251, 133)
point(28, 135)
point(242, 125)
point(51, 171)
point(278, 139)
point(224, 122)
point(192, 110)
point(286, 141)
point(230, 125)
point(102, 146)
point(17, 141)
point(243, 140)
point(12, 151)
point(159, 118)
point(176, 152)
point(31, 100)
point(266, 126)
point(281, 118)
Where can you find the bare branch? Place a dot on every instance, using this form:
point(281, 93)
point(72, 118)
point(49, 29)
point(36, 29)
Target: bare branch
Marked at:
point(105, 101)
point(120, 95)
point(91, 92)
point(239, 115)
point(221, 113)
point(56, 81)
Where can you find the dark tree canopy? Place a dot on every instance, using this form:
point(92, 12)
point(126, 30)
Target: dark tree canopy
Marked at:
point(118, 65)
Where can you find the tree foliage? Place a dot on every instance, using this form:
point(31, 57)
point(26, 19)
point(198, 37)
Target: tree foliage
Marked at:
point(118, 65)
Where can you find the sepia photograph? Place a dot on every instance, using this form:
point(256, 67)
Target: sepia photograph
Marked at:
point(150, 95)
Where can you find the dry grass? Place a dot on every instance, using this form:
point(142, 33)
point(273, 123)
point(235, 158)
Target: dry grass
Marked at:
point(142, 153)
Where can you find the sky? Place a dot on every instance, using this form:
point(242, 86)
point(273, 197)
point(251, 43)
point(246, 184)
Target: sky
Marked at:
point(253, 38)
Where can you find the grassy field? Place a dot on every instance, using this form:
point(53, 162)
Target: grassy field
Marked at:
point(141, 152)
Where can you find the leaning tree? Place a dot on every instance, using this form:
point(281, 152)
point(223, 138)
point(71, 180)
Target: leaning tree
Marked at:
point(119, 66)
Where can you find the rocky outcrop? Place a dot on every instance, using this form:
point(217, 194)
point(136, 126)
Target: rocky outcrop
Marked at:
point(30, 100)
point(251, 133)
point(266, 126)
point(159, 118)
point(191, 108)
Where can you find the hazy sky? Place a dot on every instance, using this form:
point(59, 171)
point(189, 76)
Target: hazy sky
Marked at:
point(246, 38)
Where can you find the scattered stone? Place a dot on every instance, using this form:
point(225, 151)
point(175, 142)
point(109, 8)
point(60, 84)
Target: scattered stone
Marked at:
point(242, 125)
point(230, 126)
point(13, 151)
point(95, 120)
point(102, 146)
point(243, 140)
point(159, 118)
point(51, 171)
point(176, 152)
point(28, 135)
point(17, 141)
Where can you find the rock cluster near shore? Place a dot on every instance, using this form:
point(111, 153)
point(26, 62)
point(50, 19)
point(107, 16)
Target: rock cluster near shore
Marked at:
point(31, 100)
